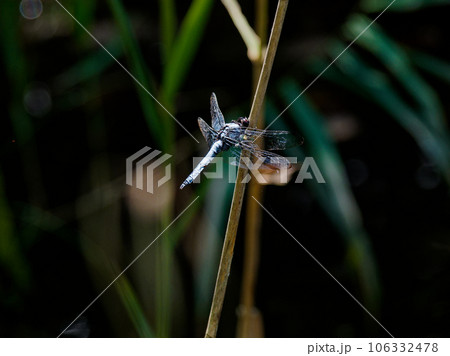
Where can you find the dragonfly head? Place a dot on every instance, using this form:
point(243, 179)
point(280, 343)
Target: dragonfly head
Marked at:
point(242, 121)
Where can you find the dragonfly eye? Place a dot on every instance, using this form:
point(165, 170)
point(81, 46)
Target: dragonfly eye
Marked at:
point(243, 121)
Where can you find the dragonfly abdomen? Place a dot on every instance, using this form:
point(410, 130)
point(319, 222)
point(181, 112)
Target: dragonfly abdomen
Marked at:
point(215, 149)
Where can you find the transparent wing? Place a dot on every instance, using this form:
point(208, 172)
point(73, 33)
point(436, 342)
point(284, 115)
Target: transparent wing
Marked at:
point(208, 133)
point(217, 118)
point(274, 140)
point(268, 160)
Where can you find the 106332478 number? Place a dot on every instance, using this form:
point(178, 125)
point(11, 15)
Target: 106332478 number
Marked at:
point(403, 347)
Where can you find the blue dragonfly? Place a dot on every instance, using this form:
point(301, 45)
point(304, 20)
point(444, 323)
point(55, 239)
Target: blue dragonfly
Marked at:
point(237, 136)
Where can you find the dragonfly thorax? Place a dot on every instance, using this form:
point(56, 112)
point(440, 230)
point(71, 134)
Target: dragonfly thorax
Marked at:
point(229, 131)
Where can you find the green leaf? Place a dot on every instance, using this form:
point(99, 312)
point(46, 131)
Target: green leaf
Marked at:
point(158, 128)
point(133, 307)
point(15, 69)
point(84, 12)
point(185, 47)
point(168, 26)
point(87, 68)
point(435, 66)
point(335, 196)
point(398, 63)
point(377, 87)
point(399, 5)
point(17, 75)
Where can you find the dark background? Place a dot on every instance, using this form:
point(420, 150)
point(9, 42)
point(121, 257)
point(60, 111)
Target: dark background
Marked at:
point(69, 223)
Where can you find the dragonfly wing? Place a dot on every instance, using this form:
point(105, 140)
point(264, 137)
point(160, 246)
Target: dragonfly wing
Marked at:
point(264, 159)
point(274, 140)
point(208, 133)
point(270, 160)
point(218, 120)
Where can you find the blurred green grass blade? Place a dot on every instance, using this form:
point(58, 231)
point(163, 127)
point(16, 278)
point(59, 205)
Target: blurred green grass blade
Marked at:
point(133, 307)
point(215, 210)
point(399, 5)
point(185, 47)
point(335, 196)
point(17, 74)
point(168, 26)
point(15, 67)
point(435, 66)
point(11, 257)
point(435, 144)
point(164, 278)
point(105, 268)
point(398, 63)
point(84, 12)
point(158, 128)
point(185, 220)
point(318, 144)
point(89, 67)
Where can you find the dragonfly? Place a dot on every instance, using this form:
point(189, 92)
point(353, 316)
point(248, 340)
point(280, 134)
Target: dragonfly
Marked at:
point(236, 137)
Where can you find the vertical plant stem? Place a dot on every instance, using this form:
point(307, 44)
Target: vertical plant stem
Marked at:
point(239, 189)
point(260, 93)
point(164, 276)
point(250, 323)
point(249, 36)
